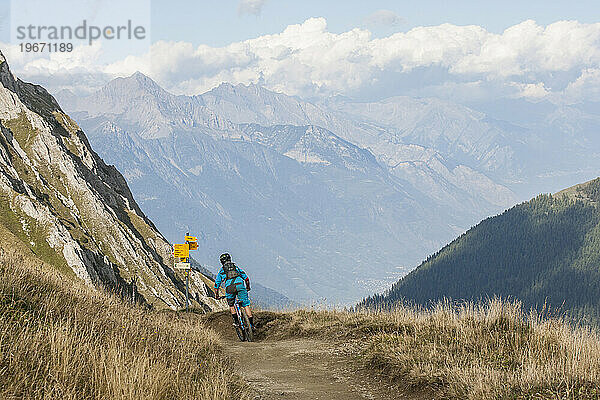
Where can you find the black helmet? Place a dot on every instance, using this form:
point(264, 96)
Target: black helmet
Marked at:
point(225, 257)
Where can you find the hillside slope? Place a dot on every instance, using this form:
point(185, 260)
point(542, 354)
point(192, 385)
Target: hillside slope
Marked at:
point(62, 339)
point(70, 208)
point(545, 251)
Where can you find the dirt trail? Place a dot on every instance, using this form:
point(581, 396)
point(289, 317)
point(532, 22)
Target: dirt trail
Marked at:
point(300, 369)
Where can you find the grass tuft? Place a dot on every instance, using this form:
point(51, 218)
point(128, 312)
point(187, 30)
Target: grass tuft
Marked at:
point(490, 350)
point(60, 339)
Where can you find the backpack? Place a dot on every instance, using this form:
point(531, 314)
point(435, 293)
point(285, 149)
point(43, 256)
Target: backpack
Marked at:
point(230, 270)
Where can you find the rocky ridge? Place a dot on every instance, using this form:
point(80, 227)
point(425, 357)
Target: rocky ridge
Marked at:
point(73, 210)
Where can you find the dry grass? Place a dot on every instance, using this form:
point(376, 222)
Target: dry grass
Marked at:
point(487, 351)
point(62, 340)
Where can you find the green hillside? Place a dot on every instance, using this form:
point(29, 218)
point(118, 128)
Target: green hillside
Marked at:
point(544, 251)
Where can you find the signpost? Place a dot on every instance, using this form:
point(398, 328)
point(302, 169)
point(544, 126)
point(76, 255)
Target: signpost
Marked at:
point(181, 250)
point(182, 265)
point(181, 253)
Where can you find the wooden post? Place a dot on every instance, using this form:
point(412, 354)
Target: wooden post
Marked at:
point(187, 285)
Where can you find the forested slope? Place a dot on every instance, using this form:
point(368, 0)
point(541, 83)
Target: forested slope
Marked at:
point(543, 252)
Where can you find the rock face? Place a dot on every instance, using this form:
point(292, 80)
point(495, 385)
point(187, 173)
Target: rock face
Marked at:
point(72, 209)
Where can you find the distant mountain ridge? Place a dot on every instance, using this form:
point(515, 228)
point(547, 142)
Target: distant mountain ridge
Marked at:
point(449, 165)
point(284, 197)
point(137, 101)
point(359, 125)
point(542, 252)
point(525, 157)
point(157, 113)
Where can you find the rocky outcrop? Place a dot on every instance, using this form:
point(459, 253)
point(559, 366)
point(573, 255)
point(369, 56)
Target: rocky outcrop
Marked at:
point(72, 209)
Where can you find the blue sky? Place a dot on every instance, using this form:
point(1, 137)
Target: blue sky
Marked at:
point(461, 50)
point(218, 23)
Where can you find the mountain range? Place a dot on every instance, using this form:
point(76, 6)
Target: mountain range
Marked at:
point(331, 199)
point(308, 212)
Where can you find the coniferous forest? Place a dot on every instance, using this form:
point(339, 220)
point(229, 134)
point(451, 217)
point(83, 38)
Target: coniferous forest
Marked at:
point(544, 252)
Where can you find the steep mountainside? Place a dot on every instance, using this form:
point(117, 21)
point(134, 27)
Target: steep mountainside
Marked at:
point(70, 208)
point(546, 250)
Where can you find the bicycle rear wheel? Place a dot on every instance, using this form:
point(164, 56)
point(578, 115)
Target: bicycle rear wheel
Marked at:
point(238, 328)
point(247, 327)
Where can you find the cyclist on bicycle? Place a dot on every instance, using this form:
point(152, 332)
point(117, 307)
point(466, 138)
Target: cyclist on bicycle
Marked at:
point(236, 283)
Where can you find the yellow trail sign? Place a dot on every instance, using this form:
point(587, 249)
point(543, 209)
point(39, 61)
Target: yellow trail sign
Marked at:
point(181, 250)
point(191, 239)
point(194, 246)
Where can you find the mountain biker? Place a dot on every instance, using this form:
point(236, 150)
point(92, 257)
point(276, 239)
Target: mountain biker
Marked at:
point(236, 283)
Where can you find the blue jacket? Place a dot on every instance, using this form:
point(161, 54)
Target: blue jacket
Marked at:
point(221, 277)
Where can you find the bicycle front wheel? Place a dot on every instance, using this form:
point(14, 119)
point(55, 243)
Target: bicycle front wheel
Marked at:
point(247, 327)
point(240, 333)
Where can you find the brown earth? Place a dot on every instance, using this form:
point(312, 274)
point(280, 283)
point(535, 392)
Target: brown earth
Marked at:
point(302, 368)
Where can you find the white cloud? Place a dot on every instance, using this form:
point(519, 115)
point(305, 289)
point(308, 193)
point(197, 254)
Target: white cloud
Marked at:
point(383, 17)
point(527, 60)
point(253, 7)
point(82, 57)
point(531, 90)
point(530, 48)
point(586, 86)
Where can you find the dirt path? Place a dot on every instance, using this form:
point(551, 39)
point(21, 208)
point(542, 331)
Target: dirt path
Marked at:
point(300, 369)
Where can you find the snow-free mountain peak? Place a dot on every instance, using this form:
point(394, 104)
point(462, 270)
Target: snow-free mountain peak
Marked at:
point(139, 81)
point(135, 88)
point(138, 103)
point(226, 89)
point(256, 104)
point(285, 184)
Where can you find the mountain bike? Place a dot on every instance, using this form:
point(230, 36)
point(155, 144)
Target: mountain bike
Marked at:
point(243, 330)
